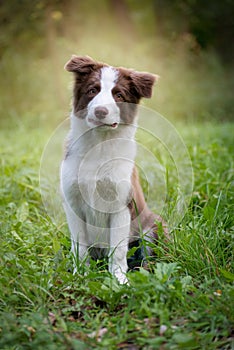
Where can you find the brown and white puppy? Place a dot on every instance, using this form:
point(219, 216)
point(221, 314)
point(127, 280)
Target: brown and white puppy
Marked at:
point(99, 180)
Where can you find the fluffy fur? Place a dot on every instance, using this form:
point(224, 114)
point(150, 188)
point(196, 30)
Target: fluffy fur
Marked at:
point(99, 181)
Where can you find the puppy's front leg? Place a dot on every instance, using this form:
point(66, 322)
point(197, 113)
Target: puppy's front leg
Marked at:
point(77, 227)
point(119, 236)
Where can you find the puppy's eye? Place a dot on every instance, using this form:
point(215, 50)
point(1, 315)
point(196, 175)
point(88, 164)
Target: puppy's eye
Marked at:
point(119, 97)
point(92, 91)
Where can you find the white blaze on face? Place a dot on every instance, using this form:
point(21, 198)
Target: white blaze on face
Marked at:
point(104, 98)
point(109, 76)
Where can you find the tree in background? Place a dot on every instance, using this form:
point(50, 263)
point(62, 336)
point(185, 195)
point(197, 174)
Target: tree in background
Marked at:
point(210, 22)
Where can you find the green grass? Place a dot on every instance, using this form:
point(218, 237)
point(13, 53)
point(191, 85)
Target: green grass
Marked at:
point(183, 301)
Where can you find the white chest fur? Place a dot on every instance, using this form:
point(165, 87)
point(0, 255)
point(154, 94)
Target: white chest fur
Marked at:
point(96, 174)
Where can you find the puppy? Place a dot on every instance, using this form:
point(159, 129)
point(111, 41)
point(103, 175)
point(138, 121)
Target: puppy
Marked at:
point(103, 199)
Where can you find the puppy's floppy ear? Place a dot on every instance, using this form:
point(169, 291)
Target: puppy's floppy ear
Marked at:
point(80, 64)
point(143, 83)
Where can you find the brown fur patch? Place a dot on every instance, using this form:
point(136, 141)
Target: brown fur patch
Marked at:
point(142, 218)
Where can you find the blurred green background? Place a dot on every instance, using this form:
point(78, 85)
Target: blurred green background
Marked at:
point(189, 43)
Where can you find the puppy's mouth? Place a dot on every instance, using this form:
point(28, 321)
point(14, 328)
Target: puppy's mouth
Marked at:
point(114, 125)
point(98, 123)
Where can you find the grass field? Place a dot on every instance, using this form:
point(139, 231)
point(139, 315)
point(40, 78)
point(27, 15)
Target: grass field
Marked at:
point(183, 301)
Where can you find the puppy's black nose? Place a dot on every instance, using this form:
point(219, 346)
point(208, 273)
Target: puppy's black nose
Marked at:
point(101, 112)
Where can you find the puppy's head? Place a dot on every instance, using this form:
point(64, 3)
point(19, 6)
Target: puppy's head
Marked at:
point(106, 96)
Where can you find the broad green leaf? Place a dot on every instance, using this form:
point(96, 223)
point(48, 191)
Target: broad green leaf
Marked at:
point(227, 274)
point(184, 340)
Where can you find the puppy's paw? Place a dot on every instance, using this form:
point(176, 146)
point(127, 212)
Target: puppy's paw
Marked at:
point(121, 277)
